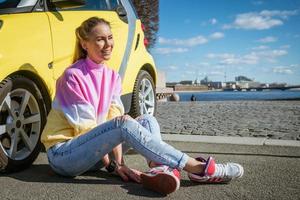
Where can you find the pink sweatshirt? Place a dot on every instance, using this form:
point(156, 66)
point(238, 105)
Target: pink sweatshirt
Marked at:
point(85, 94)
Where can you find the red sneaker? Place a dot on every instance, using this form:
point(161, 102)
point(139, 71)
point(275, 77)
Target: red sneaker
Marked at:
point(161, 179)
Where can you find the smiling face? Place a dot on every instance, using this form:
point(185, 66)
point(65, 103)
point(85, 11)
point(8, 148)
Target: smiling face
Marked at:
point(99, 44)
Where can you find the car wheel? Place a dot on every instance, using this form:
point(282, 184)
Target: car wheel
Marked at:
point(144, 98)
point(22, 118)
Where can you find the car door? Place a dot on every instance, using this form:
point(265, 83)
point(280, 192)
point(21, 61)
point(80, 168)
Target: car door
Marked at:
point(63, 23)
point(25, 42)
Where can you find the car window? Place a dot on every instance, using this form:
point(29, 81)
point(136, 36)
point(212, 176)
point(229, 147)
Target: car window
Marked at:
point(113, 4)
point(5, 4)
point(93, 5)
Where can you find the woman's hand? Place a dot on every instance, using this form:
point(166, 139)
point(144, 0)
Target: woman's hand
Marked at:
point(127, 173)
point(126, 117)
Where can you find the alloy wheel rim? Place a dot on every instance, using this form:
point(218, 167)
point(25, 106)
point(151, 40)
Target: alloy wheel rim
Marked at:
point(146, 97)
point(20, 124)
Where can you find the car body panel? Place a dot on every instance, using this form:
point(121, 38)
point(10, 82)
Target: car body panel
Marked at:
point(138, 56)
point(20, 47)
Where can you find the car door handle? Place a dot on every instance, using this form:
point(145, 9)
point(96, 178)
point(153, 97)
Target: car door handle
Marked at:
point(1, 22)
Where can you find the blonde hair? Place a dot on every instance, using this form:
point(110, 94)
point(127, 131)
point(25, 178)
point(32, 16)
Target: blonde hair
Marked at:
point(82, 34)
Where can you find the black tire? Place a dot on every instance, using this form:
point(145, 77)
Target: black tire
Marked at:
point(22, 128)
point(143, 80)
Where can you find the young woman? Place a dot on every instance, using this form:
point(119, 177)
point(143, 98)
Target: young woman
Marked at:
point(87, 122)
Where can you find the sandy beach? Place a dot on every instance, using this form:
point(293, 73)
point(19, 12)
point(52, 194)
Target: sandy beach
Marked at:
point(269, 119)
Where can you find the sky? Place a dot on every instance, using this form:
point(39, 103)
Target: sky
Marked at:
point(222, 39)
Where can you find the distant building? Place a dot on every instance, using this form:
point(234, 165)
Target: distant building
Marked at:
point(229, 85)
point(161, 79)
point(243, 82)
point(264, 85)
point(215, 85)
point(211, 84)
point(186, 82)
point(171, 84)
point(247, 84)
point(242, 78)
point(204, 81)
point(196, 82)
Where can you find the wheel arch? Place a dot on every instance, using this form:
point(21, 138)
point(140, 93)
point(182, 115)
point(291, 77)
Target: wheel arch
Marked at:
point(127, 98)
point(40, 84)
point(151, 70)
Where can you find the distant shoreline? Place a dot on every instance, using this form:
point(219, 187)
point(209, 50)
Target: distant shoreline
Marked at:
point(217, 95)
point(220, 90)
point(190, 91)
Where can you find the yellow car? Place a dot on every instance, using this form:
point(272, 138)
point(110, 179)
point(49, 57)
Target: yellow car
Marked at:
point(37, 40)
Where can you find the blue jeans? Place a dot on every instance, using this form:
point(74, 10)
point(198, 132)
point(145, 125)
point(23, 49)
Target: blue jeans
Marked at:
point(82, 153)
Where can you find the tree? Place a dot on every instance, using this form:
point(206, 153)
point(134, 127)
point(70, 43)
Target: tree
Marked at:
point(148, 12)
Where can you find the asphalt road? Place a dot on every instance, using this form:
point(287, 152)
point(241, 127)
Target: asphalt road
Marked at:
point(271, 172)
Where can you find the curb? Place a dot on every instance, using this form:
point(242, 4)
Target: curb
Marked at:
point(230, 140)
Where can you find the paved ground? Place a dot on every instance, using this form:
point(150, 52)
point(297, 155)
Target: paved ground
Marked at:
point(271, 172)
point(261, 119)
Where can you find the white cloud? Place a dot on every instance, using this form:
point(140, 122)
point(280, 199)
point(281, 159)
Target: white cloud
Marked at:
point(272, 53)
point(194, 41)
point(222, 56)
point(295, 65)
point(231, 59)
point(196, 65)
point(261, 47)
point(170, 50)
point(217, 35)
point(213, 21)
point(254, 21)
point(281, 14)
point(248, 59)
point(263, 20)
point(268, 39)
point(190, 42)
point(282, 70)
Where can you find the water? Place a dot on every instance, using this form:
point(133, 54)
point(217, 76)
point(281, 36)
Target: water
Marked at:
point(239, 95)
